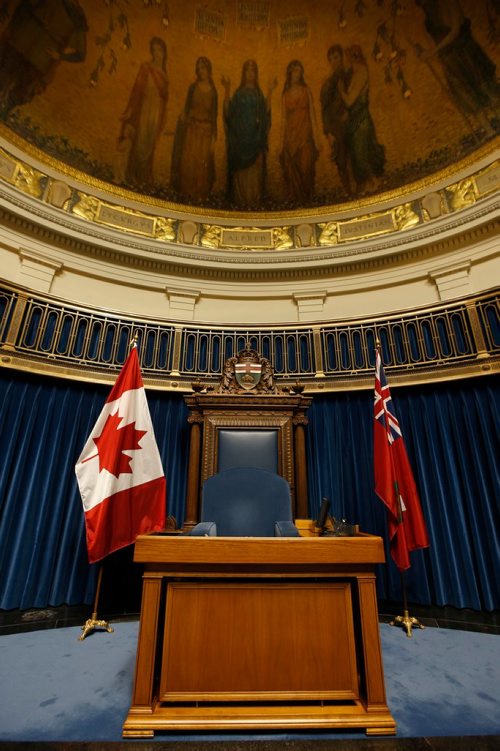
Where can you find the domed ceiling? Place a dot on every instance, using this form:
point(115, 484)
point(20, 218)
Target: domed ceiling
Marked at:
point(255, 105)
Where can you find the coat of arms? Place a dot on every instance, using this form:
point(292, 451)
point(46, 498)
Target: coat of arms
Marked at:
point(247, 371)
point(247, 374)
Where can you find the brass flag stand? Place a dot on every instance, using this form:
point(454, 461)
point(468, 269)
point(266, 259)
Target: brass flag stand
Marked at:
point(406, 621)
point(91, 624)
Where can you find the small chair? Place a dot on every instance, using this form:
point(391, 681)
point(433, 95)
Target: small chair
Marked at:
point(246, 502)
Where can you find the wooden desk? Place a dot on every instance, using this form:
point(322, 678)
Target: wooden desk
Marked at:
point(258, 633)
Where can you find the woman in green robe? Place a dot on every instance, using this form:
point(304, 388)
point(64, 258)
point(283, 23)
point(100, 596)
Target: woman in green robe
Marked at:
point(247, 119)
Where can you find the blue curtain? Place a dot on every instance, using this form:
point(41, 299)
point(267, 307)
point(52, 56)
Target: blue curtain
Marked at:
point(451, 432)
point(44, 424)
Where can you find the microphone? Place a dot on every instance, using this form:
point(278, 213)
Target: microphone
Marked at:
point(320, 522)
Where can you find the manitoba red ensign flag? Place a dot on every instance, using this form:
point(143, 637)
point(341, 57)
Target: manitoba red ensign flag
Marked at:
point(119, 472)
point(394, 482)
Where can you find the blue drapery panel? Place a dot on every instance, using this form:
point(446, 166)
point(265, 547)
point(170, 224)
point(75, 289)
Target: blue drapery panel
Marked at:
point(451, 431)
point(44, 424)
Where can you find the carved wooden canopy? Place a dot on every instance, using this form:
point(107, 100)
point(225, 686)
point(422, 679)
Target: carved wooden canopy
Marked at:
point(247, 398)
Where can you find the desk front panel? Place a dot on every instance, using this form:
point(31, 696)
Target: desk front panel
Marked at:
point(266, 641)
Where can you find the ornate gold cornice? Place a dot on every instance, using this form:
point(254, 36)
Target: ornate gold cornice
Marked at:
point(477, 223)
point(333, 228)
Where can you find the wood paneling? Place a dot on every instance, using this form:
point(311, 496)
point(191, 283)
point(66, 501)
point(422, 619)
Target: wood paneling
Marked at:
point(258, 641)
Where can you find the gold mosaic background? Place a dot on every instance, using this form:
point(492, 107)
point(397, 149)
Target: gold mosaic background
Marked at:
point(421, 58)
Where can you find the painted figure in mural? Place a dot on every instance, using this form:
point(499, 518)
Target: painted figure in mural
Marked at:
point(247, 119)
point(298, 152)
point(470, 75)
point(193, 168)
point(144, 118)
point(39, 35)
point(366, 155)
point(334, 114)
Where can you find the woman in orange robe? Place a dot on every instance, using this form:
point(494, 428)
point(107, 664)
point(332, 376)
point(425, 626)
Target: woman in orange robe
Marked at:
point(298, 152)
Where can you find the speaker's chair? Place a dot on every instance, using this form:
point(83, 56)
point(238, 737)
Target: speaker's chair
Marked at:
point(247, 421)
point(246, 502)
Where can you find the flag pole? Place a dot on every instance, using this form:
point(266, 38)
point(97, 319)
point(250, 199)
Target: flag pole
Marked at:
point(92, 623)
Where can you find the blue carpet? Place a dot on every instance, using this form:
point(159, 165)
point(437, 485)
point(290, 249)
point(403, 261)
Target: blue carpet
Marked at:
point(56, 688)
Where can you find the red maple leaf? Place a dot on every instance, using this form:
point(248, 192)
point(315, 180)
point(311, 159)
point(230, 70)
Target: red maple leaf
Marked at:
point(113, 441)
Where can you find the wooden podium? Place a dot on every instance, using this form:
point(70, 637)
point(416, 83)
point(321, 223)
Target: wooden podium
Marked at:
point(258, 633)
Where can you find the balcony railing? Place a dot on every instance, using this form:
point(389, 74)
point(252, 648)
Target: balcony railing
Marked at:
point(39, 330)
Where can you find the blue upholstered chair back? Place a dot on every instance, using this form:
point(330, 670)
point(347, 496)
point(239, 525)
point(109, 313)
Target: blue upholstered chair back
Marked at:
point(246, 502)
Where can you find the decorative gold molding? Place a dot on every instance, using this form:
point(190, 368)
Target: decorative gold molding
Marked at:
point(433, 240)
point(406, 215)
point(424, 184)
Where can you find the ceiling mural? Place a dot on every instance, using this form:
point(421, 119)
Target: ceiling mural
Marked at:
point(255, 105)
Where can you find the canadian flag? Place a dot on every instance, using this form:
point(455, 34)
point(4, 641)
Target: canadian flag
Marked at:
point(119, 472)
